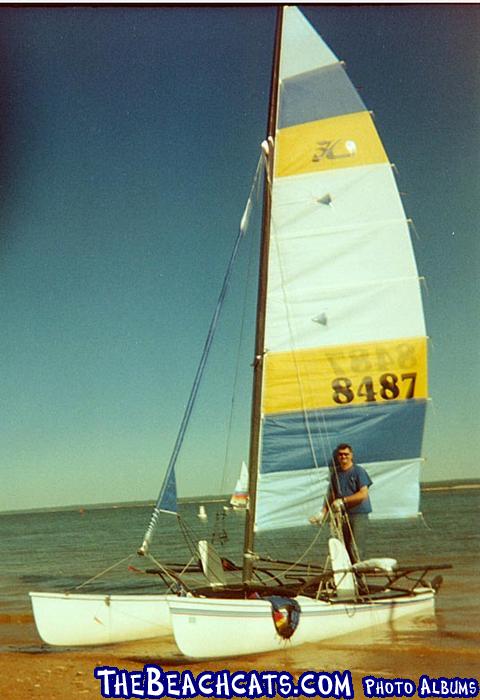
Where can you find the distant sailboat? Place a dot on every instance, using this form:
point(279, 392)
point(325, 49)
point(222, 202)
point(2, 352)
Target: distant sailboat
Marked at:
point(239, 499)
point(340, 355)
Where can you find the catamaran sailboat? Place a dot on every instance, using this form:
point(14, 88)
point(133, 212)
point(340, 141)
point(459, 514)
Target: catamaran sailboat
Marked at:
point(340, 356)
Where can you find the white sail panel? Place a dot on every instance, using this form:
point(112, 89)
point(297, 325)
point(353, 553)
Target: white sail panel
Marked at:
point(333, 235)
point(337, 199)
point(377, 311)
point(365, 253)
point(288, 499)
point(297, 31)
point(396, 490)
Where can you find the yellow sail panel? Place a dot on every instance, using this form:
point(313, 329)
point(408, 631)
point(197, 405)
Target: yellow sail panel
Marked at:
point(339, 142)
point(384, 371)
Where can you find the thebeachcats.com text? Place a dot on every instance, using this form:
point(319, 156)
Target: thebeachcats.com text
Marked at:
point(153, 682)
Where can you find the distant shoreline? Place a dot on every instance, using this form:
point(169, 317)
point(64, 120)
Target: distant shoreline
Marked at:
point(448, 487)
point(454, 485)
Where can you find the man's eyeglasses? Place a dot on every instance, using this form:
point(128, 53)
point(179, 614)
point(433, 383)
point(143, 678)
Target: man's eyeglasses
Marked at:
point(344, 454)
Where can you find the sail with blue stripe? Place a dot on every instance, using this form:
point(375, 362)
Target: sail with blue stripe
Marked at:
point(345, 356)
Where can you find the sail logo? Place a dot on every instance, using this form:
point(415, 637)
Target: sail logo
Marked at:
point(333, 150)
point(344, 141)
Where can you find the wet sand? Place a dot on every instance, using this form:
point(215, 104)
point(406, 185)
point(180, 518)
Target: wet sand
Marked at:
point(30, 669)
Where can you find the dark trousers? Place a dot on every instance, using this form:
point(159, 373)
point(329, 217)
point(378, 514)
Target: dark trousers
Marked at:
point(355, 532)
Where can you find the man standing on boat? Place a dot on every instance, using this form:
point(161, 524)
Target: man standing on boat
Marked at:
point(348, 499)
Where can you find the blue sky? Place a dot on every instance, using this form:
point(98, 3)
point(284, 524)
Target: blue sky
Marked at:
point(129, 138)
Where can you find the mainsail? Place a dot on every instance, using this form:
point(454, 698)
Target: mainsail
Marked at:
point(345, 340)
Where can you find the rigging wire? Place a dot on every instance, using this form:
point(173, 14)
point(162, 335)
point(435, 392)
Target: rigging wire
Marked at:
point(101, 573)
point(302, 556)
point(176, 583)
point(253, 199)
point(170, 473)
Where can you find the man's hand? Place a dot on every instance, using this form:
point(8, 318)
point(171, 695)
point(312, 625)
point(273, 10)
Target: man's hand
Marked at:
point(338, 505)
point(317, 519)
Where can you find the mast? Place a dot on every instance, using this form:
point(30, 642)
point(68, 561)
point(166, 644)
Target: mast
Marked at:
point(261, 306)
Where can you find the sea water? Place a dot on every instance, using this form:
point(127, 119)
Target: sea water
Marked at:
point(62, 550)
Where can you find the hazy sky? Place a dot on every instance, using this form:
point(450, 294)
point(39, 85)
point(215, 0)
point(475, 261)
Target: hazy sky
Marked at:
point(129, 138)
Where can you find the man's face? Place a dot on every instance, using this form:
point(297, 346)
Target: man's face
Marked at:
point(345, 459)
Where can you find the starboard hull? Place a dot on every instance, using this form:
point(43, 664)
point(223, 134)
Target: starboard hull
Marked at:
point(207, 628)
point(65, 619)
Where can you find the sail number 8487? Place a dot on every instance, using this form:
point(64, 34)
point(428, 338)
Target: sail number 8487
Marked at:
point(388, 387)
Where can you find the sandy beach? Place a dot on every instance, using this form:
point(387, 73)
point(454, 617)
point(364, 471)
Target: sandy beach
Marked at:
point(30, 669)
point(56, 675)
point(39, 672)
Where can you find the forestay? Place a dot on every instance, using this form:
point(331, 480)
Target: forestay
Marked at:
point(345, 345)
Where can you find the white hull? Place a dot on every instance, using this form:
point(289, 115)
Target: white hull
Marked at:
point(210, 628)
point(71, 619)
